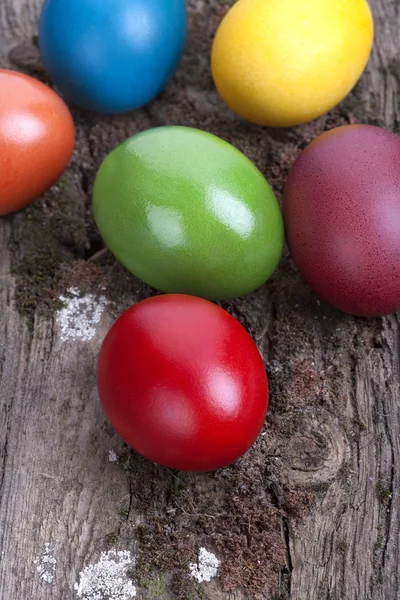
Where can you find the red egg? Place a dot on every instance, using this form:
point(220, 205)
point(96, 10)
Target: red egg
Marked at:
point(342, 214)
point(183, 383)
point(37, 138)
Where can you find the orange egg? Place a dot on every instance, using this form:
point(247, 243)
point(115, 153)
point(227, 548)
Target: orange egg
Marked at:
point(37, 137)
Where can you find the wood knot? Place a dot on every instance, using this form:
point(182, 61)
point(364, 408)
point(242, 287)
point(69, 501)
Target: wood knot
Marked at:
point(315, 450)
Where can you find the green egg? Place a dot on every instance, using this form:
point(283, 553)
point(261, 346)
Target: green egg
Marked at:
point(186, 212)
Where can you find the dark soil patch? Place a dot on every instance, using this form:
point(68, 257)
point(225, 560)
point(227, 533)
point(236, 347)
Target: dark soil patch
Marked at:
point(53, 233)
point(233, 512)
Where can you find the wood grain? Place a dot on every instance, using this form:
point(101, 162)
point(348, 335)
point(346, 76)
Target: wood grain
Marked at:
point(342, 402)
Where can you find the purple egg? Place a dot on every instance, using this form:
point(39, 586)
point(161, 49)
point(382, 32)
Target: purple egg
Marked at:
point(342, 214)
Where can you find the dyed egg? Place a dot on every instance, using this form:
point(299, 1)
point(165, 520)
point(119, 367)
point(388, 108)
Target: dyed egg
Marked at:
point(284, 62)
point(187, 212)
point(342, 215)
point(183, 383)
point(37, 138)
point(112, 56)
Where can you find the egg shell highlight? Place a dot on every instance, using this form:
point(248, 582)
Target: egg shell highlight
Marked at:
point(280, 63)
point(186, 212)
point(37, 137)
point(183, 383)
point(112, 56)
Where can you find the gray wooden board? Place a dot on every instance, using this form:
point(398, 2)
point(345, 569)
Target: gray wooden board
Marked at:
point(57, 484)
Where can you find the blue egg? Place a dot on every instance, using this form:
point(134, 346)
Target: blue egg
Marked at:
point(112, 56)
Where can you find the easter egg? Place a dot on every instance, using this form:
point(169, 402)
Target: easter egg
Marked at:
point(280, 63)
point(186, 212)
point(37, 138)
point(183, 383)
point(342, 216)
point(112, 56)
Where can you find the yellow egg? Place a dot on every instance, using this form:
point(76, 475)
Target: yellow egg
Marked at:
point(284, 62)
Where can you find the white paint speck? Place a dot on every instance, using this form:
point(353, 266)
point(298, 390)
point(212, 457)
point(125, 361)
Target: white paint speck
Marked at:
point(107, 578)
point(80, 315)
point(46, 564)
point(112, 456)
point(206, 567)
point(275, 367)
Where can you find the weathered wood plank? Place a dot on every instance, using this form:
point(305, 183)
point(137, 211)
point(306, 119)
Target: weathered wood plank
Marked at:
point(319, 491)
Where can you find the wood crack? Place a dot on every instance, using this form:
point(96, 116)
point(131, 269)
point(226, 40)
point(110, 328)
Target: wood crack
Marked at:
point(4, 452)
point(389, 495)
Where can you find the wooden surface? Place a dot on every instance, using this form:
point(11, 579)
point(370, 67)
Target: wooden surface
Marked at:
point(331, 444)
